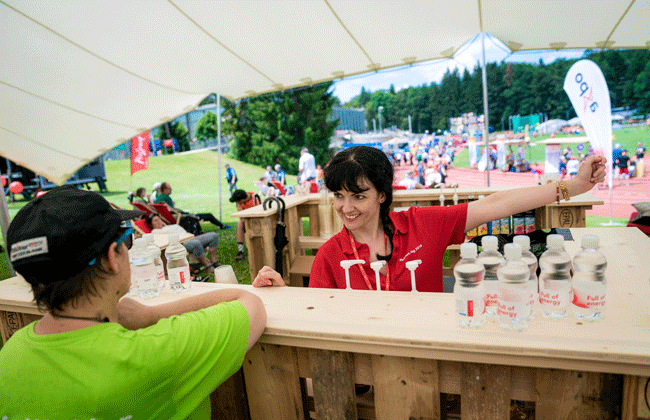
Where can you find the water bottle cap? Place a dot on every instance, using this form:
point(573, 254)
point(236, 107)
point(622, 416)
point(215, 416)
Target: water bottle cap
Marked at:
point(590, 242)
point(512, 251)
point(148, 237)
point(554, 241)
point(468, 250)
point(139, 243)
point(173, 238)
point(523, 240)
point(490, 242)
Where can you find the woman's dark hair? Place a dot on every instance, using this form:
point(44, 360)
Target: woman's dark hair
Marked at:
point(140, 191)
point(54, 295)
point(149, 219)
point(350, 166)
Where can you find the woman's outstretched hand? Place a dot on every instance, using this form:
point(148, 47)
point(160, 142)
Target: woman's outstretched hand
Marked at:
point(592, 171)
point(268, 277)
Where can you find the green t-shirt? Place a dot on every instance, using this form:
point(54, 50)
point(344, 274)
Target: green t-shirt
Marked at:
point(164, 198)
point(106, 372)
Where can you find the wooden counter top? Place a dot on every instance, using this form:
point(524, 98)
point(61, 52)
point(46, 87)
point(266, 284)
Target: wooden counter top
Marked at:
point(422, 325)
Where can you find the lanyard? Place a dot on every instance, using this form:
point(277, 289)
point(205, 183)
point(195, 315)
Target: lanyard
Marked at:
point(363, 270)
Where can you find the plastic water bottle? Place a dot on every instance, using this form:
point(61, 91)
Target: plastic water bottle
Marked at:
point(178, 269)
point(143, 272)
point(491, 259)
point(531, 261)
point(514, 295)
point(589, 285)
point(157, 260)
point(555, 278)
point(468, 289)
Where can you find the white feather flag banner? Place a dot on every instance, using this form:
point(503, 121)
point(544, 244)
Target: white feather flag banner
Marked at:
point(589, 95)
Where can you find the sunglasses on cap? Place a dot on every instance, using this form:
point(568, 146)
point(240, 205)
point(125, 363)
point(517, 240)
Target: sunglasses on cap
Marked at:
point(126, 236)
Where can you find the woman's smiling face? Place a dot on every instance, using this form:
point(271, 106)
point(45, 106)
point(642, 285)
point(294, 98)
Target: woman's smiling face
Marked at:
point(359, 210)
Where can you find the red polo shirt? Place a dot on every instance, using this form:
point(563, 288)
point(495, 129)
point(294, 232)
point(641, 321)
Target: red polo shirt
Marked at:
point(421, 233)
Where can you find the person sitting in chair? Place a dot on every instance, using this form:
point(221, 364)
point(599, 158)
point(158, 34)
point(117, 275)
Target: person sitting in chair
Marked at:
point(164, 197)
point(195, 246)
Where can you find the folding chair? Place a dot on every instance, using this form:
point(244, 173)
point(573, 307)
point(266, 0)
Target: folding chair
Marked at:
point(165, 214)
point(140, 226)
point(143, 207)
point(279, 186)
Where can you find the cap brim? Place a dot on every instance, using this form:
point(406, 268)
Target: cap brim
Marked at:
point(129, 214)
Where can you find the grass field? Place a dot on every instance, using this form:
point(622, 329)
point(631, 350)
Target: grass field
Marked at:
point(194, 178)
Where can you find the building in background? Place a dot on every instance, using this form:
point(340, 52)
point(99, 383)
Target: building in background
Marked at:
point(350, 119)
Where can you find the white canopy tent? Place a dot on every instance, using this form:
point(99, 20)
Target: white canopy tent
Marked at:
point(79, 78)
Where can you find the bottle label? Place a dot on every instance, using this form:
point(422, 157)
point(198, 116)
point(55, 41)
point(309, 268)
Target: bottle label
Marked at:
point(490, 293)
point(586, 300)
point(514, 310)
point(554, 298)
point(161, 275)
point(179, 275)
point(470, 307)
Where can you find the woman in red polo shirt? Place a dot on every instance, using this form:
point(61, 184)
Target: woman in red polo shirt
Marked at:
point(244, 200)
point(361, 178)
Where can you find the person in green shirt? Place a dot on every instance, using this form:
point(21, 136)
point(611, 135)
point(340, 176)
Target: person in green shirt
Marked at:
point(96, 354)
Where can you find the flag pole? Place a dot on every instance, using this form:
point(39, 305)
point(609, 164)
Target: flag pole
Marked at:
point(219, 143)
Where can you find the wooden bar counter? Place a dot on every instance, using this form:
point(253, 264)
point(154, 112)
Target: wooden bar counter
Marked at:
point(261, 224)
point(319, 343)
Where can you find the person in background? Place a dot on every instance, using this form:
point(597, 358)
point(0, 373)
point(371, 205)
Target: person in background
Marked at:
point(562, 166)
point(640, 166)
point(244, 200)
point(156, 189)
point(280, 175)
point(361, 180)
point(231, 177)
point(269, 175)
point(306, 166)
point(140, 196)
point(616, 152)
point(98, 354)
point(409, 182)
point(164, 197)
point(196, 245)
point(622, 164)
point(572, 166)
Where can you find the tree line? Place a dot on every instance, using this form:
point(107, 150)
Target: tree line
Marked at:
point(513, 89)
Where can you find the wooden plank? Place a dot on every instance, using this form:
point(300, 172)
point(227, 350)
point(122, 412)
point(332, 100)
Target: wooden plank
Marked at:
point(573, 395)
point(10, 322)
point(314, 220)
point(406, 388)
point(229, 400)
point(644, 398)
point(272, 383)
point(630, 400)
point(485, 392)
point(333, 379)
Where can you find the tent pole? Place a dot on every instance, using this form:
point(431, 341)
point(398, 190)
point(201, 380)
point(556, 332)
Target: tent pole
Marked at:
point(219, 143)
point(4, 224)
point(486, 136)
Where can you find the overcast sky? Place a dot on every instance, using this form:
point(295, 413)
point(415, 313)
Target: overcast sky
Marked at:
point(468, 56)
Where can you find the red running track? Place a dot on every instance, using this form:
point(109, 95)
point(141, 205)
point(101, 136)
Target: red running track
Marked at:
point(624, 192)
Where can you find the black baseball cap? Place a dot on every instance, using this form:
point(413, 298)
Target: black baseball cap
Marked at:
point(238, 195)
point(58, 234)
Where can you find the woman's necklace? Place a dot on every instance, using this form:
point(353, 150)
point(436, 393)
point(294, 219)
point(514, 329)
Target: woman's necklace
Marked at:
point(84, 318)
point(363, 271)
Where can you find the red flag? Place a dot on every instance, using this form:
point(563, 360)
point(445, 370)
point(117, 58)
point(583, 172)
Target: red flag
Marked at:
point(140, 152)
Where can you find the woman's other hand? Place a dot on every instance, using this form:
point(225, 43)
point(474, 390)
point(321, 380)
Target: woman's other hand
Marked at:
point(268, 277)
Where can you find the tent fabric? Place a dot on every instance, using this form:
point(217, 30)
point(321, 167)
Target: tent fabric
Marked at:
point(79, 78)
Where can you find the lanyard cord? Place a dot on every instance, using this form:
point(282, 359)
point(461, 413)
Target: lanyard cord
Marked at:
point(363, 270)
